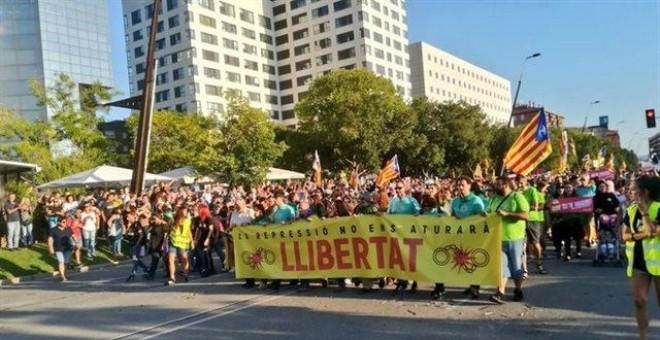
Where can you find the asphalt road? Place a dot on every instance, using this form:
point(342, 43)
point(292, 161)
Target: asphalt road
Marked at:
point(574, 301)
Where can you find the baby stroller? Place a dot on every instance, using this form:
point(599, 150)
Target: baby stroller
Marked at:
point(609, 241)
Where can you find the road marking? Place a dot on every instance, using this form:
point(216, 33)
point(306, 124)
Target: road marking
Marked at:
point(247, 304)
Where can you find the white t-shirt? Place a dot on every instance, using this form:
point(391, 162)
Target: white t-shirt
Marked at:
point(89, 220)
point(238, 218)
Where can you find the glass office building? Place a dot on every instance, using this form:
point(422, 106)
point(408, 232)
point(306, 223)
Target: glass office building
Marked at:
point(41, 38)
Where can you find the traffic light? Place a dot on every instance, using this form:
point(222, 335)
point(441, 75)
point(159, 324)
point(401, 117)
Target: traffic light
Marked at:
point(650, 118)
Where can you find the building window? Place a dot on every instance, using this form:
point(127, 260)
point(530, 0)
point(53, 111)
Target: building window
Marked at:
point(324, 59)
point(300, 34)
point(270, 84)
point(282, 39)
point(175, 39)
point(255, 97)
point(284, 69)
point(177, 74)
point(271, 99)
point(270, 69)
point(179, 91)
point(229, 28)
point(251, 65)
point(234, 77)
point(136, 17)
point(303, 65)
point(173, 21)
point(213, 107)
point(209, 38)
point(277, 10)
point(378, 37)
point(254, 81)
point(208, 4)
point(380, 54)
point(211, 73)
point(345, 54)
point(265, 38)
point(288, 114)
point(294, 4)
point(226, 9)
point(137, 35)
point(247, 16)
point(172, 4)
point(139, 51)
point(287, 99)
point(363, 16)
point(281, 55)
point(231, 44)
point(376, 21)
point(266, 53)
point(162, 96)
point(320, 12)
point(210, 55)
point(212, 90)
point(322, 27)
point(298, 19)
point(206, 21)
point(249, 33)
point(286, 84)
point(249, 49)
point(160, 44)
point(280, 25)
point(233, 61)
point(345, 37)
point(302, 49)
point(344, 21)
point(265, 22)
point(304, 80)
point(341, 4)
point(323, 43)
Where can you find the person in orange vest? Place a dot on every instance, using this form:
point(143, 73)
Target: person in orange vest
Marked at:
point(641, 232)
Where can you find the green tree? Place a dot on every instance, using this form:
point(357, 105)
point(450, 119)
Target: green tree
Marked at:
point(179, 140)
point(353, 115)
point(247, 143)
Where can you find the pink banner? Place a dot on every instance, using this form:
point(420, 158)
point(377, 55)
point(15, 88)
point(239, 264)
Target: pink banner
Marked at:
point(572, 205)
point(602, 174)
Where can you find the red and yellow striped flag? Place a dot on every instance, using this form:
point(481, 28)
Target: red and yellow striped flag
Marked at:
point(531, 147)
point(317, 170)
point(389, 172)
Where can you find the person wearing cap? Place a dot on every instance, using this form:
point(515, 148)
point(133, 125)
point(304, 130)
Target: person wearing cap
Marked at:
point(513, 208)
point(59, 244)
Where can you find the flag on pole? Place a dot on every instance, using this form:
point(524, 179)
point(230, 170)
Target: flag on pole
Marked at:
point(531, 147)
point(478, 172)
point(600, 160)
point(563, 152)
point(610, 163)
point(586, 162)
point(389, 172)
point(317, 169)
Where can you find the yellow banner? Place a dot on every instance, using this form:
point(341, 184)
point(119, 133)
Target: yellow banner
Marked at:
point(421, 248)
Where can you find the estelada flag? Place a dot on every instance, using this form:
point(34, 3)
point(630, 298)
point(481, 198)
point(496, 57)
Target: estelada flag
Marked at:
point(531, 147)
point(317, 169)
point(389, 172)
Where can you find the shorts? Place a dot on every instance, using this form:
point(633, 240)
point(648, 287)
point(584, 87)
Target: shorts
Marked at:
point(176, 250)
point(534, 231)
point(63, 257)
point(512, 258)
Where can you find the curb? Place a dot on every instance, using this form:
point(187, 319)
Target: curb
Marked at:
point(39, 276)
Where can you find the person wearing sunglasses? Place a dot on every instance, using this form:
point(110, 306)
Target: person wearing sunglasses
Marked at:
point(403, 204)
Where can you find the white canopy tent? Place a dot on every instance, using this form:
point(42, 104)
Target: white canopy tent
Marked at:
point(277, 174)
point(101, 176)
point(187, 174)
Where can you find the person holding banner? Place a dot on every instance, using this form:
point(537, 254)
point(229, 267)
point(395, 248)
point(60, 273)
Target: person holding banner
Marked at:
point(282, 213)
point(403, 204)
point(514, 210)
point(641, 233)
point(464, 205)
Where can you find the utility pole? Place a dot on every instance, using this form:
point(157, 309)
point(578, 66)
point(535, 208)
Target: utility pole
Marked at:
point(146, 110)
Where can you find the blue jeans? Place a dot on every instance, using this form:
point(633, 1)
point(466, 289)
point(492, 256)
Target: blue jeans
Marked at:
point(89, 242)
point(13, 234)
point(115, 244)
point(27, 235)
point(218, 248)
point(512, 258)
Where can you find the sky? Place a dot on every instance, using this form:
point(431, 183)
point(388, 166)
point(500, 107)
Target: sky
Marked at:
point(607, 51)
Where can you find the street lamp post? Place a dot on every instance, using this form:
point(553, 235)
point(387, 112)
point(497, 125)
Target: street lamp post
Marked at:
point(515, 97)
point(584, 127)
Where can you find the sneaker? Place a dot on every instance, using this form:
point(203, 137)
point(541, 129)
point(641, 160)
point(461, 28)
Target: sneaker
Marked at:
point(540, 269)
point(232, 270)
point(130, 278)
point(473, 292)
point(262, 285)
point(517, 294)
point(413, 287)
point(398, 290)
point(578, 255)
point(437, 294)
point(185, 278)
point(170, 282)
point(248, 285)
point(498, 298)
point(567, 258)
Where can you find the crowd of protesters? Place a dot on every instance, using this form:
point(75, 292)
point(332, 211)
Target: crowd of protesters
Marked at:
point(190, 225)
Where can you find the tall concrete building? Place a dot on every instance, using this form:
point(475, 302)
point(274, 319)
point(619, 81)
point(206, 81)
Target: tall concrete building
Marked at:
point(441, 76)
point(41, 38)
point(269, 51)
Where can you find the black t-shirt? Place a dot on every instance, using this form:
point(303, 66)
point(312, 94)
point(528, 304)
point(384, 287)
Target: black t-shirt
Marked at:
point(61, 239)
point(156, 237)
point(136, 234)
point(639, 263)
point(201, 229)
